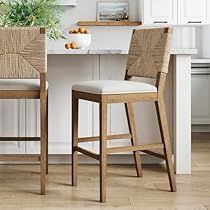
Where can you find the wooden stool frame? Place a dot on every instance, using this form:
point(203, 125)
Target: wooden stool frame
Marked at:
point(23, 56)
point(162, 49)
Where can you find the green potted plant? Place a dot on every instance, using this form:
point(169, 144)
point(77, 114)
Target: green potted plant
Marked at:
point(27, 13)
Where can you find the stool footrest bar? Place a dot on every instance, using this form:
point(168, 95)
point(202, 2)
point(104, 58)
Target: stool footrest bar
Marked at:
point(154, 154)
point(88, 153)
point(135, 148)
point(109, 137)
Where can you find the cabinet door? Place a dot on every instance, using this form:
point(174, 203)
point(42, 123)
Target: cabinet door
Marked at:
point(159, 11)
point(12, 118)
point(193, 11)
point(200, 99)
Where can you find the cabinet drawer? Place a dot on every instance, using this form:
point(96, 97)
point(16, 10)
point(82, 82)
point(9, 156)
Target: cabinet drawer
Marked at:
point(193, 12)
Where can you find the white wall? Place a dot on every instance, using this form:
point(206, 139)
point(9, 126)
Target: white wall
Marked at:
point(103, 37)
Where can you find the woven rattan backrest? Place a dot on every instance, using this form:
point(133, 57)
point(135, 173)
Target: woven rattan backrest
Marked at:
point(149, 52)
point(22, 52)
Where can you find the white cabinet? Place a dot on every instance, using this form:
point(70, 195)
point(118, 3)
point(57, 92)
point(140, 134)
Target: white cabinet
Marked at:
point(193, 11)
point(175, 11)
point(200, 96)
point(159, 11)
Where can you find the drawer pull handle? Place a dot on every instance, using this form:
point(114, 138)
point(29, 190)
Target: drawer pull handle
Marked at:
point(160, 21)
point(194, 21)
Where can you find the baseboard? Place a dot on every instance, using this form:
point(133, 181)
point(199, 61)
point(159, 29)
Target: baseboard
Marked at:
point(112, 159)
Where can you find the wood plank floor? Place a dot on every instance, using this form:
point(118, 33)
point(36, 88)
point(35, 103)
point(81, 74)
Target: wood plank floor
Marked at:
point(19, 186)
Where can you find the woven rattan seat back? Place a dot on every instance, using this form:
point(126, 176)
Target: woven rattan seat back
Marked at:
point(22, 52)
point(149, 52)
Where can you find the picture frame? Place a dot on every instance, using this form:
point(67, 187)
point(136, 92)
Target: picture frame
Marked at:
point(112, 10)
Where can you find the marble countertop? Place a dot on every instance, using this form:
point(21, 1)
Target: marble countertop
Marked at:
point(87, 52)
point(110, 52)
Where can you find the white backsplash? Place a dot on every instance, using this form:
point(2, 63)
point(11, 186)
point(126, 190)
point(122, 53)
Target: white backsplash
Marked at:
point(119, 38)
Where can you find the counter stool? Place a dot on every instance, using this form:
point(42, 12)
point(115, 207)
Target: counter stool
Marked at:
point(23, 68)
point(148, 57)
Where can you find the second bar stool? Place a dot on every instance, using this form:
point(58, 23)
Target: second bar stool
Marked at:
point(23, 75)
point(148, 57)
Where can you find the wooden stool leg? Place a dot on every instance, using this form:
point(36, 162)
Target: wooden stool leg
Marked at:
point(103, 147)
point(43, 123)
point(75, 104)
point(132, 130)
point(162, 118)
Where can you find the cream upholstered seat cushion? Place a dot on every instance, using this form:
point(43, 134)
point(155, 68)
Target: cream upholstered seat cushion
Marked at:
point(114, 87)
point(19, 84)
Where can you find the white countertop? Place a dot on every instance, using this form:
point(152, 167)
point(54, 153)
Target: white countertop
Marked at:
point(110, 52)
point(87, 52)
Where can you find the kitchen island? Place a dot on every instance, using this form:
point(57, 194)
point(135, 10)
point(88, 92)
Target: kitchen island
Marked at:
point(88, 64)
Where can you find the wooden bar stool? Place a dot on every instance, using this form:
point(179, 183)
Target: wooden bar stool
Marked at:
point(23, 69)
point(148, 57)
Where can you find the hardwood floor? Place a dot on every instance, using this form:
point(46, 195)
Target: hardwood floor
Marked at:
point(19, 186)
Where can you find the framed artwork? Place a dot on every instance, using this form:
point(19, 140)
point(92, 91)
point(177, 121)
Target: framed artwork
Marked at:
point(113, 10)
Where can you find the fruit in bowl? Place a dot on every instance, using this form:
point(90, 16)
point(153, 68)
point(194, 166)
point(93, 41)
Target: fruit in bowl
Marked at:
point(78, 39)
point(80, 30)
point(70, 46)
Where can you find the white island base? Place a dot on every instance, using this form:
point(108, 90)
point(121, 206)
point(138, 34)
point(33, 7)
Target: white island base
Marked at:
point(78, 65)
point(182, 113)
